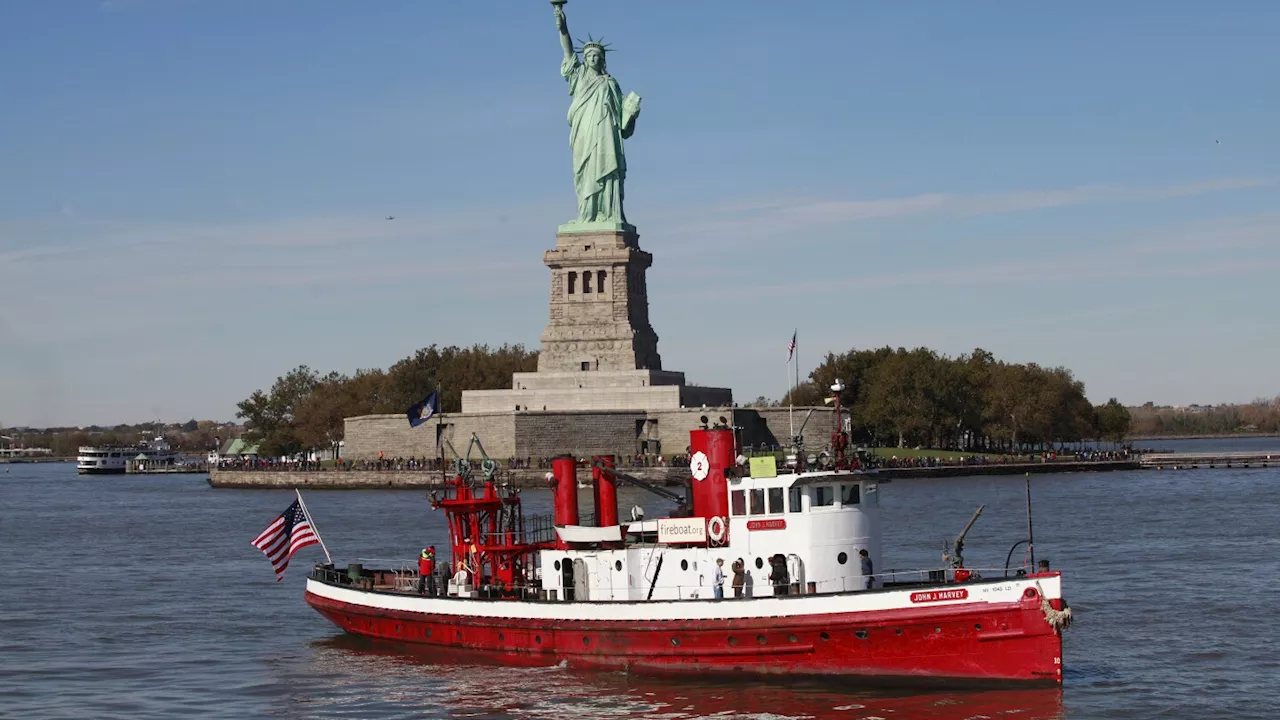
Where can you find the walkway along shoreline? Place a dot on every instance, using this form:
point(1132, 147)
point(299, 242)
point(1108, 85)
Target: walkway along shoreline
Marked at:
point(535, 478)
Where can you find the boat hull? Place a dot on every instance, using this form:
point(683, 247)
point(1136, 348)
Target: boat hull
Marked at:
point(975, 643)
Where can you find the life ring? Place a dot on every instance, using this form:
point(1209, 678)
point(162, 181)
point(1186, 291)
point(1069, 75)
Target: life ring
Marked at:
point(716, 529)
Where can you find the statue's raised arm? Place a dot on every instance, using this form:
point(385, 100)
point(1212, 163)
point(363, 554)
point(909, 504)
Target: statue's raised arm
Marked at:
point(562, 24)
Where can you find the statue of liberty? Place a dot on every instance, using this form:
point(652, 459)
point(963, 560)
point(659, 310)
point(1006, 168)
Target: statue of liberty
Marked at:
point(599, 120)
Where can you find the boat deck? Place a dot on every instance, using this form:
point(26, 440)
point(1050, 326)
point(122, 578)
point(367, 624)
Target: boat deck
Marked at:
point(405, 581)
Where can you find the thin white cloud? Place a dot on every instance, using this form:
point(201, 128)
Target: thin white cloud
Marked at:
point(772, 219)
point(1252, 243)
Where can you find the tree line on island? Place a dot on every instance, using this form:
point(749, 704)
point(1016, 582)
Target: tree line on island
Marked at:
point(304, 409)
point(919, 397)
point(895, 397)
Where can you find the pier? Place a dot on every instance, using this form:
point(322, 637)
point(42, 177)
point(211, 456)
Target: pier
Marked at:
point(1212, 460)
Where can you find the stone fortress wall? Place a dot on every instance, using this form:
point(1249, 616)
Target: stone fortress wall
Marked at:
point(539, 434)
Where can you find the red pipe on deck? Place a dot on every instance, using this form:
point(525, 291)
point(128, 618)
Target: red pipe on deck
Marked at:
point(605, 485)
point(564, 482)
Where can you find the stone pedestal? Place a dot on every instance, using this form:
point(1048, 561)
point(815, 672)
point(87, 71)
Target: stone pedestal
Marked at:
point(599, 351)
point(599, 319)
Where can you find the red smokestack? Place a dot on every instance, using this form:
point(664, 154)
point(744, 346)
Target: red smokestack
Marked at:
point(564, 470)
point(606, 491)
point(711, 490)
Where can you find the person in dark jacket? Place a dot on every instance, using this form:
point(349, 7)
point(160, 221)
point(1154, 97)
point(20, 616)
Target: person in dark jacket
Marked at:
point(780, 579)
point(867, 568)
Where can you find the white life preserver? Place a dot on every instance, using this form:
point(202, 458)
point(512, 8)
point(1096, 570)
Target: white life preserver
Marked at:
point(700, 466)
point(716, 529)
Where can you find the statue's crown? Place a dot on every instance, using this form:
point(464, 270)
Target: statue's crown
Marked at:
point(597, 43)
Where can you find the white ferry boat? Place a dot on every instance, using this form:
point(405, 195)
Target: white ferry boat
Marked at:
point(107, 460)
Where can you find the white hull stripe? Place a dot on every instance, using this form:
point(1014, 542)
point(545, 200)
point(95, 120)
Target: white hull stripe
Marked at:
point(1008, 591)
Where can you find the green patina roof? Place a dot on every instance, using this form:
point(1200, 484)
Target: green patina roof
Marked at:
point(240, 447)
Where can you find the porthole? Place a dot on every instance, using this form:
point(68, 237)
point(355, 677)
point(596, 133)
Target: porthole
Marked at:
point(398, 627)
point(585, 641)
point(684, 564)
point(977, 626)
point(557, 564)
point(537, 639)
point(675, 642)
point(792, 638)
point(617, 565)
point(760, 639)
point(824, 636)
point(733, 640)
point(458, 634)
point(759, 563)
point(860, 634)
point(501, 638)
point(898, 631)
point(428, 632)
point(937, 630)
point(842, 558)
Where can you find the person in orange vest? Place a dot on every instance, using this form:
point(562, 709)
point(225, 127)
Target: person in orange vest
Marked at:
point(427, 571)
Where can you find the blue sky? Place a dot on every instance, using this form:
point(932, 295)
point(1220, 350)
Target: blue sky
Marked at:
point(192, 192)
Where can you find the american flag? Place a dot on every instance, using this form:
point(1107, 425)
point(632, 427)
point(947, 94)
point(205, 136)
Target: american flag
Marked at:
point(285, 536)
point(791, 349)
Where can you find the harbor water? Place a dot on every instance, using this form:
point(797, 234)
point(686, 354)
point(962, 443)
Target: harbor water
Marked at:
point(140, 597)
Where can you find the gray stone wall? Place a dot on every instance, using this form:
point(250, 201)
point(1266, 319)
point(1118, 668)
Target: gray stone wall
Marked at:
point(545, 434)
point(772, 426)
point(578, 433)
point(367, 435)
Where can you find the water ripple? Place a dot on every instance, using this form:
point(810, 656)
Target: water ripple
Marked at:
point(154, 606)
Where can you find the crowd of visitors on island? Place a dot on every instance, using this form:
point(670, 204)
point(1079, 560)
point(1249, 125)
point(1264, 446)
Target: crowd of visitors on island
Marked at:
point(642, 460)
point(418, 464)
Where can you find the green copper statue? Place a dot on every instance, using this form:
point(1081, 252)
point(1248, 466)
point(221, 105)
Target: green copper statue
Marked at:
point(599, 119)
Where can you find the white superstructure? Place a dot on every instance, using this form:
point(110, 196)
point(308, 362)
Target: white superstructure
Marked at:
point(818, 521)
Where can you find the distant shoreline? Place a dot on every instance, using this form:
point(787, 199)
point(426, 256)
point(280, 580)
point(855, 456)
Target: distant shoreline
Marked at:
point(1208, 436)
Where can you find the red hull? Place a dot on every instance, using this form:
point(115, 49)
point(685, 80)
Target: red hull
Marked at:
point(973, 643)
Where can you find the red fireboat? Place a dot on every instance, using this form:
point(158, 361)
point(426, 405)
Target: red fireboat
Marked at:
point(643, 595)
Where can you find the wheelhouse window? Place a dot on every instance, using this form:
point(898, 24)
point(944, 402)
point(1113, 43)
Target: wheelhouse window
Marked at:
point(794, 501)
point(757, 502)
point(775, 501)
point(849, 495)
point(738, 502)
point(824, 496)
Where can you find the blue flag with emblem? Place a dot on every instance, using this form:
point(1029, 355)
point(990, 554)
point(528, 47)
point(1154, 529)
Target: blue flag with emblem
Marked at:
point(422, 411)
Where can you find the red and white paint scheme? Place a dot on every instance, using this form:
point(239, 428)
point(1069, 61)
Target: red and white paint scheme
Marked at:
point(641, 596)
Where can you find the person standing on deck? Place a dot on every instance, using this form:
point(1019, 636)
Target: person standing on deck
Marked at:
point(427, 571)
point(867, 568)
point(779, 578)
point(718, 581)
point(739, 577)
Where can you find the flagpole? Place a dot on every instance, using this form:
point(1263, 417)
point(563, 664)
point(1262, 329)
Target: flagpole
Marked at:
point(797, 385)
point(791, 400)
point(307, 512)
